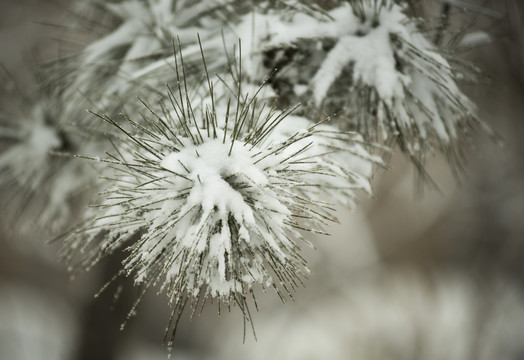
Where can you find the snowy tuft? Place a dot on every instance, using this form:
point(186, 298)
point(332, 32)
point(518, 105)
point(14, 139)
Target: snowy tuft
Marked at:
point(210, 202)
point(25, 160)
point(36, 185)
point(370, 62)
point(106, 70)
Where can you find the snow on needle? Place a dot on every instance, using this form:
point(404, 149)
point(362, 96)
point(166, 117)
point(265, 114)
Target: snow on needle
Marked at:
point(201, 218)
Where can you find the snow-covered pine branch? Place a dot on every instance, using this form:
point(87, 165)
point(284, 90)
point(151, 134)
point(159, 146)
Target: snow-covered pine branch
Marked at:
point(210, 190)
point(36, 187)
point(370, 62)
point(134, 51)
point(208, 204)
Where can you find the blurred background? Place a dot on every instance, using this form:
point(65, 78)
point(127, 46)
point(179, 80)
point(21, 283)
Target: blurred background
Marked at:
point(407, 276)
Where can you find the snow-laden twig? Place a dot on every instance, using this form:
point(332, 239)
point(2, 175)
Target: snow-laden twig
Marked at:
point(207, 204)
point(370, 62)
point(36, 187)
point(100, 75)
